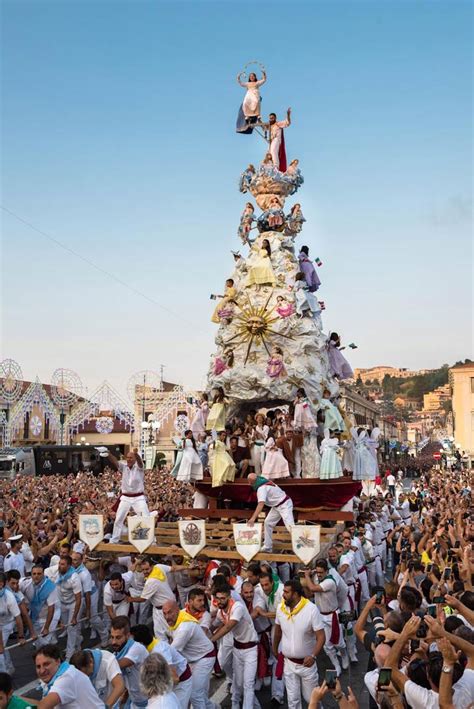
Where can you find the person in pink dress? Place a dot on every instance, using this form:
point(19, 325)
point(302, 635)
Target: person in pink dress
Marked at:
point(275, 464)
point(284, 308)
point(276, 367)
point(304, 419)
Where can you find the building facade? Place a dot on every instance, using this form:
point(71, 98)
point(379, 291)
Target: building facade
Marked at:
point(461, 379)
point(379, 372)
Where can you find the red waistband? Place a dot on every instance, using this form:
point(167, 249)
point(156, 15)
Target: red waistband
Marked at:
point(296, 660)
point(212, 653)
point(329, 612)
point(284, 500)
point(186, 674)
point(244, 646)
point(131, 494)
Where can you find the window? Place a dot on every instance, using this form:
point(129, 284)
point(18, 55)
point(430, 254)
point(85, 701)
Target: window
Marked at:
point(46, 427)
point(26, 426)
point(472, 385)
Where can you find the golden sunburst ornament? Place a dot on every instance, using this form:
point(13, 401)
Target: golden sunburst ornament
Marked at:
point(254, 325)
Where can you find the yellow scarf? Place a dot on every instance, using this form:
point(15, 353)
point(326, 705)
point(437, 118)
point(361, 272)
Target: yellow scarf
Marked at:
point(151, 645)
point(290, 614)
point(183, 617)
point(157, 573)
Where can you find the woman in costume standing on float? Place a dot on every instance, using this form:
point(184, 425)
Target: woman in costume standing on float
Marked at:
point(249, 111)
point(190, 468)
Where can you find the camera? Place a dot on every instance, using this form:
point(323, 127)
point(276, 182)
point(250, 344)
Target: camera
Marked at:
point(346, 617)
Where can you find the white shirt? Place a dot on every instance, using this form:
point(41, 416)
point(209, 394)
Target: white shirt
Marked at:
point(14, 561)
point(74, 684)
point(299, 631)
point(156, 591)
point(244, 631)
point(342, 590)
point(271, 495)
point(131, 675)
point(390, 479)
point(166, 701)
point(171, 655)
point(191, 641)
point(349, 575)
point(67, 589)
point(132, 478)
point(28, 588)
point(86, 580)
point(109, 668)
point(8, 608)
point(420, 698)
point(111, 597)
point(326, 600)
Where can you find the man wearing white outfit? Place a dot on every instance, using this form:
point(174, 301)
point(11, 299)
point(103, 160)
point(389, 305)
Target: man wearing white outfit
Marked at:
point(157, 590)
point(324, 588)
point(10, 616)
point(62, 684)
point(191, 641)
point(235, 618)
point(103, 670)
point(275, 127)
point(70, 596)
point(299, 627)
point(272, 594)
point(130, 655)
point(42, 597)
point(281, 507)
point(15, 559)
point(117, 594)
point(132, 496)
point(90, 599)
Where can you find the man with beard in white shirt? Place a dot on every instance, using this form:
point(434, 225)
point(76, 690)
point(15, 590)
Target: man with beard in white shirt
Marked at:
point(356, 547)
point(191, 641)
point(10, 617)
point(69, 588)
point(196, 606)
point(130, 655)
point(158, 591)
point(235, 618)
point(117, 594)
point(299, 627)
point(347, 568)
point(369, 554)
point(272, 589)
point(132, 494)
point(324, 588)
point(342, 591)
point(263, 627)
point(42, 597)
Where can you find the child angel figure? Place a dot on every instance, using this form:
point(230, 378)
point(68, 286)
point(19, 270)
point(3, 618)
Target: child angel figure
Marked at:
point(276, 366)
point(246, 221)
point(293, 175)
point(224, 309)
point(246, 178)
point(284, 308)
point(294, 220)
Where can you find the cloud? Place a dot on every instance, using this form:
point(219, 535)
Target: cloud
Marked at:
point(456, 211)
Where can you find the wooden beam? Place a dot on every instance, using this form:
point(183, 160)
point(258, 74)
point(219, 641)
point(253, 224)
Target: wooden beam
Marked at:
point(303, 515)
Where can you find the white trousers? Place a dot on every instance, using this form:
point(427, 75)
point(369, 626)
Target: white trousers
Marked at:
point(38, 625)
point(274, 150)
point(297, 458)
point(183, 691)
point(201, 678)
point(284, 512)
point(364, 588)
point(137, 504)
point(72, 632)
point(6, 664)
point(243, 684)
point(225, 655)
point(96, 623)
point(299, 681)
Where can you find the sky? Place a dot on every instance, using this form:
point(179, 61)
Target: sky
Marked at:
point(120, 166)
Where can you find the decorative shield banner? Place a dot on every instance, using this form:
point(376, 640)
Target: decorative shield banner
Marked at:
point(141, 531)
point(192, 536)
point(248, 540)
point(305, 541)
point(91, 529)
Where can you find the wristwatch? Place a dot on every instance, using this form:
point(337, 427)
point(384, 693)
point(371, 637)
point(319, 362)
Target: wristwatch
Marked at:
point(447, 669)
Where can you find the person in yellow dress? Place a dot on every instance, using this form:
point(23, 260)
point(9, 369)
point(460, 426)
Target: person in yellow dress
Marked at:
point(217, 417)
point(260, 271)
point(220, 462)
point(223, 308)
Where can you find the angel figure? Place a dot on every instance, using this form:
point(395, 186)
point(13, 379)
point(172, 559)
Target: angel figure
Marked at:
point(363, 461)
point(303, 416)
point(275, 464)
point(217, 415)
point(338, 364)
point(249, 111)
point(246, 178)
point(284, 308)
point(221, 464)
point(224, 309)
point(276, 366)
point(294, 220)
point(293, 175)
point(198, 423)
point(330, 467)
point(260, 270)
point(246, 221)
point(333, 420)
point(275, 215)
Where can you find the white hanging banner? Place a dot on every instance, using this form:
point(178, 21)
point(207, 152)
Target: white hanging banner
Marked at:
point(91, 529)
point(192, 536)
point(305, 541)
point(248, 540)
point(141, 531)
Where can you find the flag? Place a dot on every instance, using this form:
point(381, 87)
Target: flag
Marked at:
point(318, 262)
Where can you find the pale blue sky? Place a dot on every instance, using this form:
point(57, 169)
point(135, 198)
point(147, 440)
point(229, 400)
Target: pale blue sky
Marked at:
point(118, 140)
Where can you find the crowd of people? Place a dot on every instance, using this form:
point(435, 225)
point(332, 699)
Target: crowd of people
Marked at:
point(394, 591)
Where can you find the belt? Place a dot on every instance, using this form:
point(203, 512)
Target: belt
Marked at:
point(132, 494)
point(244, 646)
point(370, 561)
point(212, 653)
point(328, 612)
point(121, 601)
point(186, 674)
point(296, 660)
point(284, 500)
point(361, 570)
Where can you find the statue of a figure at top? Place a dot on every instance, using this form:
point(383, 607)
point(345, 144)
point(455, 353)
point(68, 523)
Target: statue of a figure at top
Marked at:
point(249, 118)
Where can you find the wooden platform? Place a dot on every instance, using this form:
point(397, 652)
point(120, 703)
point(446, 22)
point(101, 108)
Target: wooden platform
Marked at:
point(219, 542)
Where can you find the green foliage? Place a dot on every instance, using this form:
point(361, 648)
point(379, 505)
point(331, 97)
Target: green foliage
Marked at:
point(415, 387)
